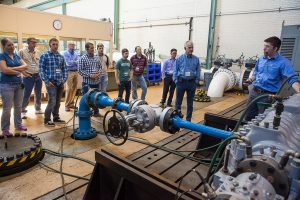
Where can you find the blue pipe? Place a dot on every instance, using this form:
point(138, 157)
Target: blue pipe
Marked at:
point(85, 129)
point(178, 122)
point(105, 101)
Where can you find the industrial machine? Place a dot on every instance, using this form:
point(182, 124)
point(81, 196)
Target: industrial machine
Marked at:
point(261, 161)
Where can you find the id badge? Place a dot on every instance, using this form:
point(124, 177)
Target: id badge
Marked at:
point(58, 71)
point(187, 74)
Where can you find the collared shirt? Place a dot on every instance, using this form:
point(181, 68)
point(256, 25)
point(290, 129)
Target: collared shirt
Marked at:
point(52, 68)
point(168, 67)
point(71, 59)
point(269, 73)
point(187, 67)
point(139, 64)
point(104, 63)
point(31, 59)
point(15, 62)
point(88, 65)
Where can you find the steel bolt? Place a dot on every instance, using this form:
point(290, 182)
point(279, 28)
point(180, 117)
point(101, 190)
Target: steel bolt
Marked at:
point(255, 192)
point(266, 124)
point(252, 176)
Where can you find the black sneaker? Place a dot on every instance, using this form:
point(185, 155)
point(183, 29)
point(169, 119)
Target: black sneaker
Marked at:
point(49, 123)
point(59, 121)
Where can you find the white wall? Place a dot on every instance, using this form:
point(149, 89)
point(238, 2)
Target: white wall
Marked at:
point(92, 9)
point(236, 31)
point(246, 32)
point(157, 12)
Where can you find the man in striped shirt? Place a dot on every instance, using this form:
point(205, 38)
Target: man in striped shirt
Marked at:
point(89, 67)
point(53, 72)
point(139, 64)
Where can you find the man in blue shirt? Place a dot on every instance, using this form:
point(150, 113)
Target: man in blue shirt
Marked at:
point(71, 59)
point(186, 76)
point(53, 72)
point(167, 76)
point(270, 71)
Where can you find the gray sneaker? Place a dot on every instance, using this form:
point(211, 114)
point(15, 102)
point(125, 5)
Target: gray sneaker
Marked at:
point(23, 115)
point(39, 112)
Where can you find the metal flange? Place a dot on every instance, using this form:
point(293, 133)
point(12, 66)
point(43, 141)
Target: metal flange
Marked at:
point(19, 152)
point(231, 75)
point(165, 120)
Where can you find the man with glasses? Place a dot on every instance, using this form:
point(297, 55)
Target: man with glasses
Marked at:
point(53, 72)
point(31, 57)
point(89, 68)
point(270, 71)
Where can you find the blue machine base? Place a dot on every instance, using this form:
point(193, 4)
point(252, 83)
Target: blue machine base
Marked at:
point(77, 135)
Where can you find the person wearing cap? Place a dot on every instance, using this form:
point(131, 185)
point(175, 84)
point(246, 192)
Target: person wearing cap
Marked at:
point(31, 57)
point(71, 59)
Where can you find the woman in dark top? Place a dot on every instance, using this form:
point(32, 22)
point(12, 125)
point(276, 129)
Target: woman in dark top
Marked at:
point(11, 88)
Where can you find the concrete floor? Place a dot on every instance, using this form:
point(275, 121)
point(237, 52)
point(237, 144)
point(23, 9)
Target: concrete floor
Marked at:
point(37, 181)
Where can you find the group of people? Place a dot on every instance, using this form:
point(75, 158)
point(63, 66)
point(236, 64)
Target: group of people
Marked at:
point(23, 72)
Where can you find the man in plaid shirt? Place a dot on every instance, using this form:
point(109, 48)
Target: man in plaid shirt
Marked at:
point(53, 72)
point(89, 67)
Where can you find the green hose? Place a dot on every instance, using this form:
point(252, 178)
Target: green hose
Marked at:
point(217, 153)
point(285, 81)
point(247, 109)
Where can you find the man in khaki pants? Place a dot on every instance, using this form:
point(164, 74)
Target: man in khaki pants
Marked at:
point(71, 59)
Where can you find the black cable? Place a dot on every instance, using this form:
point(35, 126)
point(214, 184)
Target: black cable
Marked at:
point(168, 150)
point(188, 191)
point(67, 156)
point(284, 82)
point(247, 109)
point(61, 160)
point(65, 173)
point(207, 188)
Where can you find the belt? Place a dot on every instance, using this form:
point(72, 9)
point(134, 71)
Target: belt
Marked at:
point(74, 70)
point(261, 91)
point(180, 79)
point(36, 74)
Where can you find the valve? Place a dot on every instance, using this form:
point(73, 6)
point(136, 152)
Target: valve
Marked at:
point(115, 127)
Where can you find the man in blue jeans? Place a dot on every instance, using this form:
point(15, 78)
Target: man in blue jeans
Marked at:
point(52, 69)
point(139, 64)
point(270, 71)
point(31, 57)
point(123, 75)
point(186, 76)
point(104, 60)
point(89, 67)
